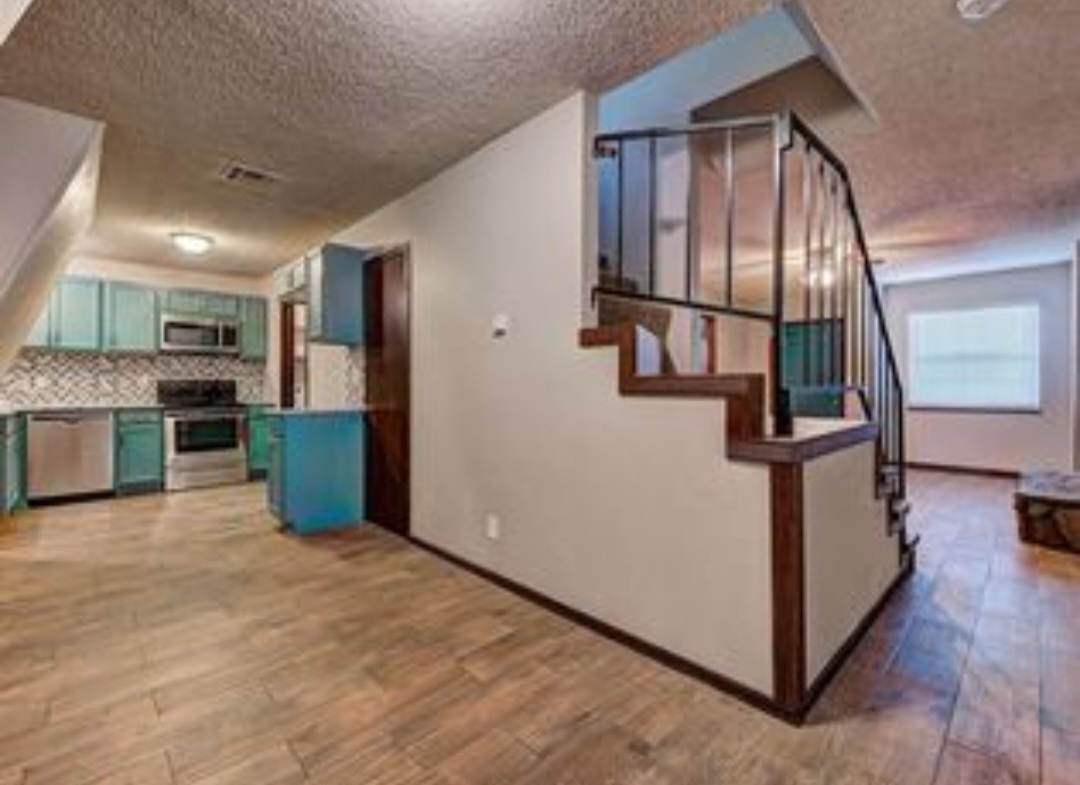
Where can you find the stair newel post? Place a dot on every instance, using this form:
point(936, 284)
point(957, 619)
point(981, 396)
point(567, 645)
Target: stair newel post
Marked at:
point(783, 422)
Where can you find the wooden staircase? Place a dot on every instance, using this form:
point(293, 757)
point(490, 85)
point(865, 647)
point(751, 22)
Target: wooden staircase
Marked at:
point(641, 374)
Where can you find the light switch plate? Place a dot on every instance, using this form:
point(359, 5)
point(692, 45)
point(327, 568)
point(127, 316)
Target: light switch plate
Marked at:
point(500, 325)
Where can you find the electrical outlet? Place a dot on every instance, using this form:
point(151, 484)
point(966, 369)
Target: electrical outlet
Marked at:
point(492, 526)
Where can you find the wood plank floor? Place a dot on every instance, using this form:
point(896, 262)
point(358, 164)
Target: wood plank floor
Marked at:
point(180, 639)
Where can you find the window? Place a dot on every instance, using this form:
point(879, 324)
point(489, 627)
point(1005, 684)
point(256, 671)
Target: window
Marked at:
point(975, 359)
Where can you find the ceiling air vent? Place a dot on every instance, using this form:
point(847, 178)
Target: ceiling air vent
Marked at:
point(240, 174)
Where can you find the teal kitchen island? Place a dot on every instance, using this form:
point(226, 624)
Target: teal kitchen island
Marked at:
point(315, 478)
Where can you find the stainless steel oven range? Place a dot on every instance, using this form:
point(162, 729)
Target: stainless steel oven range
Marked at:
point(204, 434)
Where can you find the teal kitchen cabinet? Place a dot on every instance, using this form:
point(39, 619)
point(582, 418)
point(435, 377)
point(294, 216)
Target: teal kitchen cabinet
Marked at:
point(258, 450)
point(140, 451)
point(12, 464)
point(221, 306)
point(186, 302)
point(72, 317)
point(335, 280)
point(75, 315)
point(131, 318)
point(253, 327)
point(316, 462)
point(181, 302)
point(812, 367)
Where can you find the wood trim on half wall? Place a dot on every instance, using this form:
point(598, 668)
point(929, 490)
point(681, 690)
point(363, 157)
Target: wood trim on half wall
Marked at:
point(788, 588)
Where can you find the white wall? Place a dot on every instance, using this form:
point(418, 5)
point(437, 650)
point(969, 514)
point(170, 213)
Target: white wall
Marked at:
point(850, 558)
point(1011, 442)
point(623, 508)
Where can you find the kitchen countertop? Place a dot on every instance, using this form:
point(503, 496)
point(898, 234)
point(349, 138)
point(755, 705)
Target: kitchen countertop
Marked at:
point(6, 410)
point(102, 408)
point(317, 412)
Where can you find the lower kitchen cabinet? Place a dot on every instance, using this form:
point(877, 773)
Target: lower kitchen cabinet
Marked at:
point(316, 469)
point(140, 451)
point(12, 464)
point(258, 450)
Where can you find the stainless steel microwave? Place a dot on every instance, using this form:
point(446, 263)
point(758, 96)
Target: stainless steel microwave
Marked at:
point(196, 335)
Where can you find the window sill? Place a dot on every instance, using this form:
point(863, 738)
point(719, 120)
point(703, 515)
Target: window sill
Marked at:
point(930, 409)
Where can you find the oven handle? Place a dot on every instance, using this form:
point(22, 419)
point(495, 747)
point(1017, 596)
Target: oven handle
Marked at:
point(203, 417)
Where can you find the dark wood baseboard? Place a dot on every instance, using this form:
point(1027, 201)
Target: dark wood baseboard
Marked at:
point(828, 673)
point(976, 471)
point(661, 655)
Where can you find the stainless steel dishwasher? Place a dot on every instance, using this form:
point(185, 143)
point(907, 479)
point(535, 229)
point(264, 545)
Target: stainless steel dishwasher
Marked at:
point(69, 453)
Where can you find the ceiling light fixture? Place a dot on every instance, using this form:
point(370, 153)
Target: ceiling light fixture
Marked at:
point(192, 244)
point(978, 10)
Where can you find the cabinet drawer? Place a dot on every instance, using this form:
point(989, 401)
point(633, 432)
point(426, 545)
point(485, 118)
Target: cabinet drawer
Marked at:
point(126, 417)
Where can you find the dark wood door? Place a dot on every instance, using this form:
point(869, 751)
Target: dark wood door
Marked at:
point(386, 315)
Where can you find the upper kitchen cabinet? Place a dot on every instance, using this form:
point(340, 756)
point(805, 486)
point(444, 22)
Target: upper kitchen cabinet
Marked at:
point(131, 318)
point(335, 284)
point(75, 315)
point(290, 282)
point(253, 326)
point(183, 302)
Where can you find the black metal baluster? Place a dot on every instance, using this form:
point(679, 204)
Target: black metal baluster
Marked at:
point(652, 215)
point(729, 223)
point(823, 337)
point(689, 271)
point(620, 247)
point(808, 209)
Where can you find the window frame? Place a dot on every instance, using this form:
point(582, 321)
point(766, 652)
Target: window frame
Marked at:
point(916, 405)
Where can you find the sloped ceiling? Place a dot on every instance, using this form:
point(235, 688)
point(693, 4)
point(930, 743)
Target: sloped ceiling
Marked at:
point(353, 102)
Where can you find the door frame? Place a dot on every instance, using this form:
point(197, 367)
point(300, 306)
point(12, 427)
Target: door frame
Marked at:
point(378, 256)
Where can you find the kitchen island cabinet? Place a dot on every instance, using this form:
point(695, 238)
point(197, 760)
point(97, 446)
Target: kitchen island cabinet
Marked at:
point(316, 469)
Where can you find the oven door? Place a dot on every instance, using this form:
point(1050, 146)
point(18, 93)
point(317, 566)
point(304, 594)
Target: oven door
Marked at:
point(199, 434)
point(203, 450)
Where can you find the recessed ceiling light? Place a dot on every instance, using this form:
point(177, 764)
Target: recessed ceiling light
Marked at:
point(977, 10)
point(192, 244)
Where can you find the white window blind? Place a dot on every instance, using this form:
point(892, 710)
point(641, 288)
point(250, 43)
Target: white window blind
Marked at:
point(978, 359)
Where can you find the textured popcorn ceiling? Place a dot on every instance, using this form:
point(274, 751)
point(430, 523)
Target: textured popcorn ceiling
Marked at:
point(352, 102)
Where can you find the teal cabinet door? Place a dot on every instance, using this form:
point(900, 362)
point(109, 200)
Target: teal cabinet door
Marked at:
point(275, 472)
point(258, 437)
point(811, 370)
point(221, 306)
point(335, 278)
point(131, 320)
point(186, 302)
point(5, 459)
point(16, 464)
point(182, 302)
point(12, 485)
point(39, 333)
point(140, 452)
point(317, 469)
point(76, 315)
point(253, 325)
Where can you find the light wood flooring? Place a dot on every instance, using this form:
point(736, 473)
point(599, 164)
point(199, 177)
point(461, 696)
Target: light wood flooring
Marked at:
point(180, 639)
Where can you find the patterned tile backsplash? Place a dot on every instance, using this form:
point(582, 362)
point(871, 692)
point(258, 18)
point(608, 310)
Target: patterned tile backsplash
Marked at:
point(41, 378)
